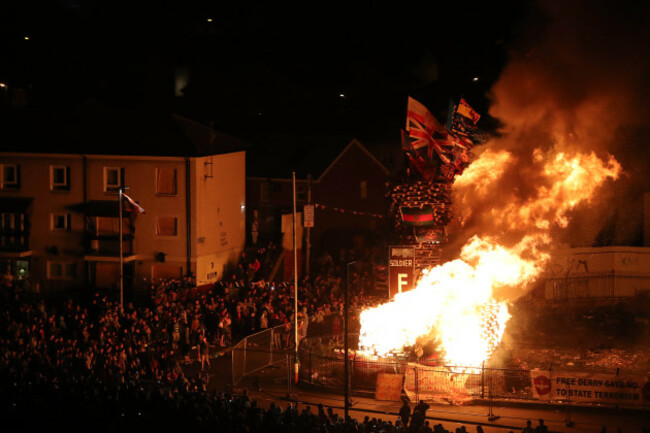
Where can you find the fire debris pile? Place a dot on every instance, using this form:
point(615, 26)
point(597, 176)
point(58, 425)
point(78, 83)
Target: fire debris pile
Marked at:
point(421, 206)
point(421, 200)
point(577, 359)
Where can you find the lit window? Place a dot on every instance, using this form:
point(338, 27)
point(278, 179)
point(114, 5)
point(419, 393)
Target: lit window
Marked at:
point(113, 178)
point(60, 222)
point(363, 190)
point(9, 176)
point(59, 178)
point(61, 270)
point(166, 181)
point(167, 226)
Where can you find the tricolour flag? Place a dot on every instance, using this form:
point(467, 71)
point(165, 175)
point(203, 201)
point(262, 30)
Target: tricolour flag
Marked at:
point(415, 216)
point(132, 206)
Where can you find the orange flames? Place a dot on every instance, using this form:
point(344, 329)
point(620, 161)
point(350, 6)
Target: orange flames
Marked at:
point(456, 304)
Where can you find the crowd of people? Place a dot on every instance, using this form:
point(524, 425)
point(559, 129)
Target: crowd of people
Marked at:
point(75, 360)
point(235, 307)
point(68, 365)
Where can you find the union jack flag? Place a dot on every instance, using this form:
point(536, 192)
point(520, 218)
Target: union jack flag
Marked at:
point(425, 131)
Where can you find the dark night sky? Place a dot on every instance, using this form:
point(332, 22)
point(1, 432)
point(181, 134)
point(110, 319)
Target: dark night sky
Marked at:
point(289, 64)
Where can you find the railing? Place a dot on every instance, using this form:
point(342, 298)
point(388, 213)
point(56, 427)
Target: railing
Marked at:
point(591, 286)
point(322, 364)
point(258, 351)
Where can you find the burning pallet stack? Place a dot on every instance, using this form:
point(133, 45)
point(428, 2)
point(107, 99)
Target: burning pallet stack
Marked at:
point(426, 239)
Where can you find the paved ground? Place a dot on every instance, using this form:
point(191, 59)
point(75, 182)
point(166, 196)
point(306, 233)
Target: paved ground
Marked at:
point(270, 385)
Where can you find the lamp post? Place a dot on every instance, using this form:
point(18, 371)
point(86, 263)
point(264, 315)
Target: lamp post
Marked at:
point(346, 344)
point(295, 282)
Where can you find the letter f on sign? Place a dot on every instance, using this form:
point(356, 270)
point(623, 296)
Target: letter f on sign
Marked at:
point(401, 282)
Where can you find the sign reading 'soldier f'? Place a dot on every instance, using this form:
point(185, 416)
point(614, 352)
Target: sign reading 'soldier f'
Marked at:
point(401, 269)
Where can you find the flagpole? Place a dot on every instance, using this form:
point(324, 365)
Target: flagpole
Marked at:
point(295, 283)
point(120, 189)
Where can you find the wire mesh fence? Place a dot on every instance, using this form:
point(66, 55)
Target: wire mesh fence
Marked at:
point(322, 364)
point(258, 351)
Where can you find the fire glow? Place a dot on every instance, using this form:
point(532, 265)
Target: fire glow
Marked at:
point(455, 304)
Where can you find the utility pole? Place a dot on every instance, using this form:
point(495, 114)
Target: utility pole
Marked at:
point(120, 192)
point(346, 345)
point(295, 283)
point(308, 240)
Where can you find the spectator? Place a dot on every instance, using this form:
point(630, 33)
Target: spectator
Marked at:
point(422, 407)
point(405, 413)
point(528, 428)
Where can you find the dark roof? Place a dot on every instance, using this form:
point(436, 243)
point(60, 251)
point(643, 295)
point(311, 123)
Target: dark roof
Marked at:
point(278, 156)
point(100, 131)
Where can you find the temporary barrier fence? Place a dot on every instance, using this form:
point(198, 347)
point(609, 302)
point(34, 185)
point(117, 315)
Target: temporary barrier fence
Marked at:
point(457, 384)
point(258, 351)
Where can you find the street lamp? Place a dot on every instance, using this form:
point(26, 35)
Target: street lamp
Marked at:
point(346, 344)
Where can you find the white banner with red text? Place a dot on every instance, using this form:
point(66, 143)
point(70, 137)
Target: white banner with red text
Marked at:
point(593, 388)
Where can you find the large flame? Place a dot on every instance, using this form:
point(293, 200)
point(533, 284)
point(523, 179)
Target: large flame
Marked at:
point(455, 303)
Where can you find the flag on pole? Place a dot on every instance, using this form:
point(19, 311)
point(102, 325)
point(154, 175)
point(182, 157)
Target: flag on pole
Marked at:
point(132, 206)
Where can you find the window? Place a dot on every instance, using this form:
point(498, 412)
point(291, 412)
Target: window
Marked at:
point(301, 192)
point(113, 178)
point(363, 190)
point(7, 222)
point(61, 270)
point(60, 222)
point(265, 192)
point(59, 178)
point(167, 226)
point(9, 176)
point(111, 226)
point(166, 181)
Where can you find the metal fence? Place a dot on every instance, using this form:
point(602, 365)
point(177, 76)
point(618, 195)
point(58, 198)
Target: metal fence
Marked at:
point(258, 351)
point(457, 384)
point(602, 285)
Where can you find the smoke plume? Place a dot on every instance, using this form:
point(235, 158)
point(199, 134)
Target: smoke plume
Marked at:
point(582, 86)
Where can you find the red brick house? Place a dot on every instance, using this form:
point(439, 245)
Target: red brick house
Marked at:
point(347, 183)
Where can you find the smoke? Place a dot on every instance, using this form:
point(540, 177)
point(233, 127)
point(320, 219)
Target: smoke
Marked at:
point(582, 86)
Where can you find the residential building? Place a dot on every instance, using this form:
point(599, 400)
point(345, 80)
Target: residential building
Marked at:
point(59, 180)
point(345, 181)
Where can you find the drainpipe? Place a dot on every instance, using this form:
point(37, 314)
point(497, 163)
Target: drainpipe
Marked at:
point(85, 178)
point(188, 216)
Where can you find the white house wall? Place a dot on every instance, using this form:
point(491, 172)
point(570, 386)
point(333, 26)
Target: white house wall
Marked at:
point(220, 209)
